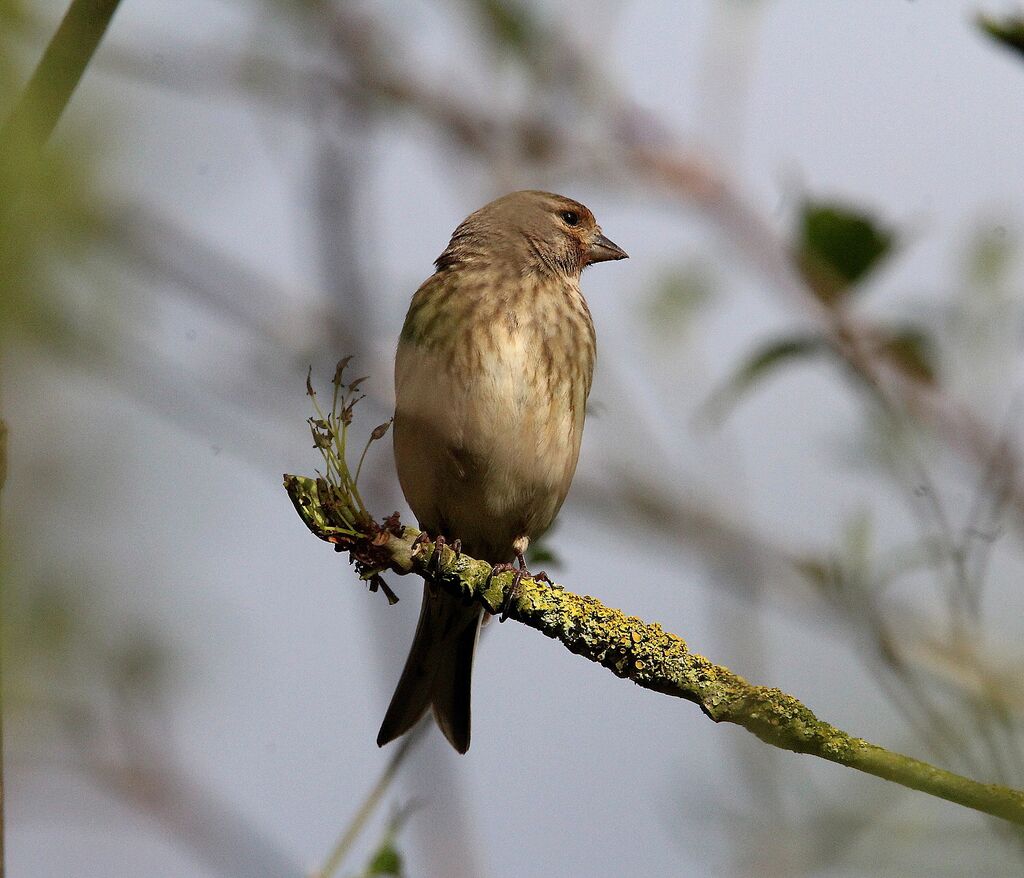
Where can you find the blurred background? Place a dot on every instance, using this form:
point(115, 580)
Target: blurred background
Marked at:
point(802, 453)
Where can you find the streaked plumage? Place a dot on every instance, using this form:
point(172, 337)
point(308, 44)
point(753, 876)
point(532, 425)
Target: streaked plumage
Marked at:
point(492, 375)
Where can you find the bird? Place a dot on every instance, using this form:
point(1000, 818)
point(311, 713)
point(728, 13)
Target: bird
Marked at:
point(493, 369)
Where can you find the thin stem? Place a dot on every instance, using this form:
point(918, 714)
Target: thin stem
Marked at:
point(362, 457)
point(55, 78)
point(350, 483)
point(333, 452)
point(369, 805)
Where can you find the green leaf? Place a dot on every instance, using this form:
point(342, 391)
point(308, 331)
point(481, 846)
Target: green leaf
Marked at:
point(837, 247)
point(511, 24)
point(385, 861)
point(1009, 31)
point(758, 366)
point(540, 552)
point(541, 556)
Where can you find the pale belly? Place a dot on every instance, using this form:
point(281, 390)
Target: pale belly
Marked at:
point(486, 454)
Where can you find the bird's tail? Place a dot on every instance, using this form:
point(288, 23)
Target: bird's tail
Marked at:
point(437, 672)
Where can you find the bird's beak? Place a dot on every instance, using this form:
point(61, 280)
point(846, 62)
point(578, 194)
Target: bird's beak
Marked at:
point(603, 250)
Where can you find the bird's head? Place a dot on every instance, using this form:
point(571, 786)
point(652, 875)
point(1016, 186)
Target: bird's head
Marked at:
point(531, 232)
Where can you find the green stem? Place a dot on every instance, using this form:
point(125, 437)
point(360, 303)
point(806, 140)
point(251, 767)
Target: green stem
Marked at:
point(369, 805)
point(658, 660)
point(55, 78)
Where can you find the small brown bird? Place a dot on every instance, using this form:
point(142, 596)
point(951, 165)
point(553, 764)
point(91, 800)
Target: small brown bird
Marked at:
point(492, 376)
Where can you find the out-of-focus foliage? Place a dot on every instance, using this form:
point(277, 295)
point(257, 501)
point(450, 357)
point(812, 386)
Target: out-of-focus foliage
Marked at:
point(912, 352)
point(679, 297)
point(48, 222)
point(759, 365)
point(541, 552)
point(991, 257)
point(1008, 31)
point(386, 858)
point(60, 659)
point(510, 24)
point(837, 246)
point(386, 861)
point(47, 217)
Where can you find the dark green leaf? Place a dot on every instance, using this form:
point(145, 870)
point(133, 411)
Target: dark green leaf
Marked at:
point(837, 247)
point(511, 24)
point(1009, 31)
point(541, 555)
point(759, 365)
point(540, 552)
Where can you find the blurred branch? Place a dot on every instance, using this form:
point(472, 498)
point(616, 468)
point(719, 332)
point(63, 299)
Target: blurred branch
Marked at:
point(121, 746)
point(212, 829)
point(211, 277)
point(1008, 31)
point(697, 524)
point(59, 71)
point(630, 648)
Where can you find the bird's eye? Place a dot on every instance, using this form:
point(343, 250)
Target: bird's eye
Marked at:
point(570, 217)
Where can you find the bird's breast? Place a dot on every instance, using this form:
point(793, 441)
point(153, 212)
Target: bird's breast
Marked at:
point(488, 425)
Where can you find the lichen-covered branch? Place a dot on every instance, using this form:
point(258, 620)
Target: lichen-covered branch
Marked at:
point(631, 648)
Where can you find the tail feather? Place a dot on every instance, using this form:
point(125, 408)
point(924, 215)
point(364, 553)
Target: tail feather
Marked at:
point(450, 689)
point(438, 671)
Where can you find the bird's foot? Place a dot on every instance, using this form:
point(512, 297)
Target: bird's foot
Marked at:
point(434, 562)
point(536, 577)
point(439, 543)
point(520, 573)
point(512, 592)
point(421, 540)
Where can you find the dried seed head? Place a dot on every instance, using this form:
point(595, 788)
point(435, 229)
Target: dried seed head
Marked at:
point(379, 432)
point(339, 369)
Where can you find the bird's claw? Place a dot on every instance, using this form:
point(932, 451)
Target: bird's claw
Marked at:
point(512, 592)
point(417, 544)
point(434, 562)
point(439, 543)
point(519, 574)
